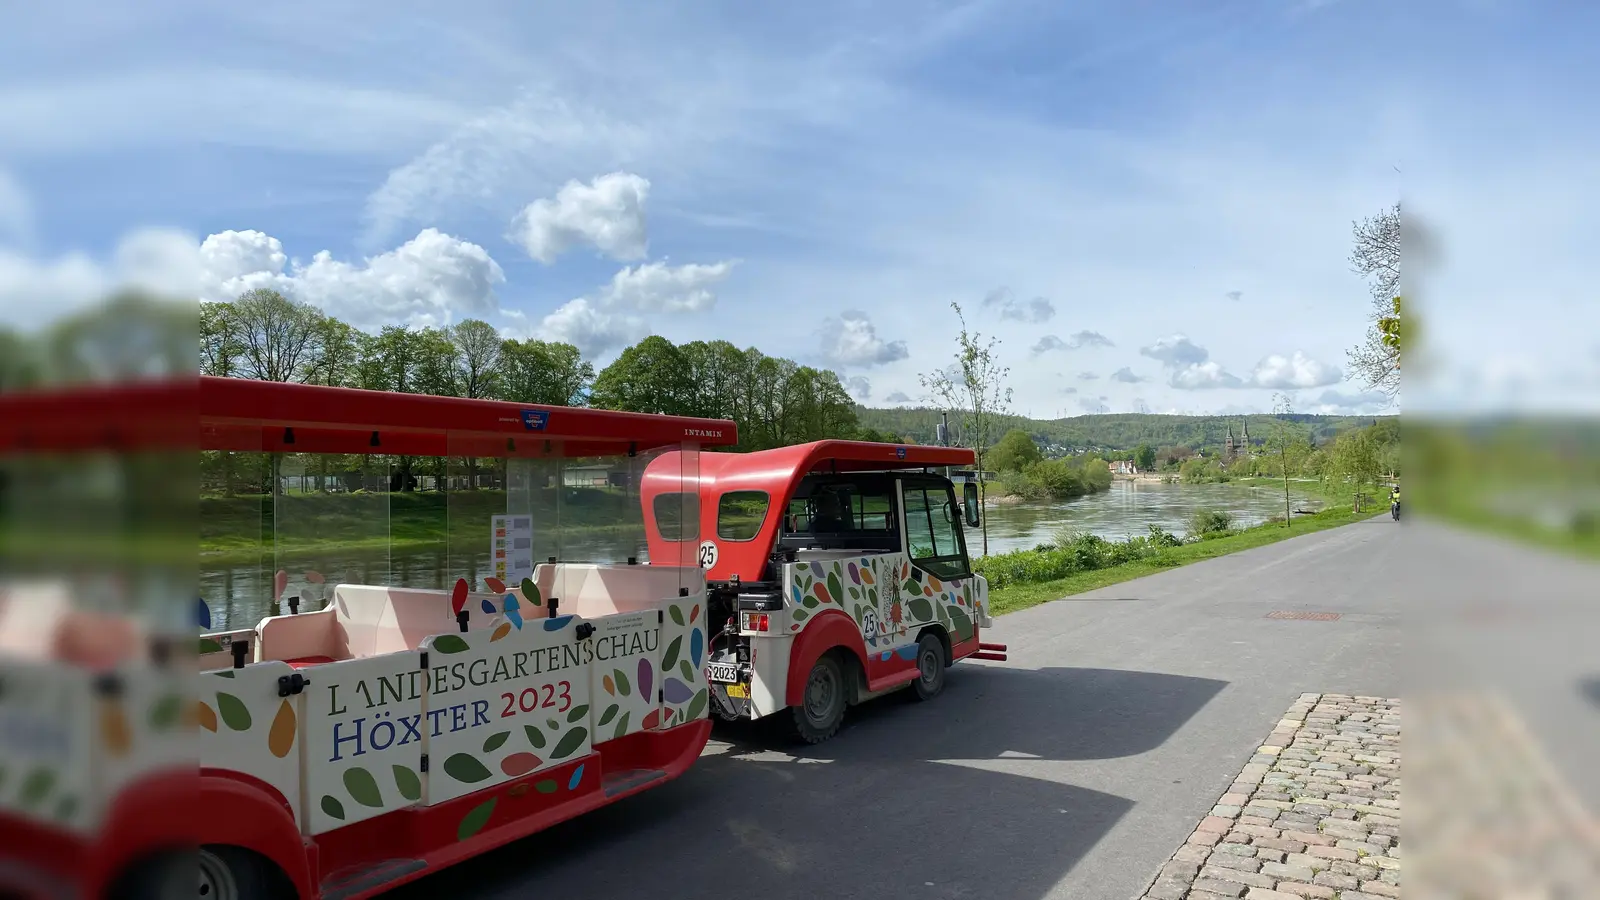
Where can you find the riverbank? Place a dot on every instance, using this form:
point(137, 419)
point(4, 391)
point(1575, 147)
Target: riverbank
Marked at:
point(1012, 597)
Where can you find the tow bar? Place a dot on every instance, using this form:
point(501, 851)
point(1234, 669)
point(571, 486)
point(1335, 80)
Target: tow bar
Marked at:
point(996, 652)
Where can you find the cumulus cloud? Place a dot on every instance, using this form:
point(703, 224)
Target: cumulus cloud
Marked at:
point(1069, 390)
point(1126, 376)
point(1235, 296)
point(1294, 372)
point(1337, 403)
point(433, 279)
point(859, 387)
point(610, 319)
point(607, 213)
point(1201, 376)
point(1088, 376)
point(852, 340)
point(1080, 341)
point(1189, 365)
point(1032, 311)
point(35, 293)
point(1176, 351)
point(897, 397)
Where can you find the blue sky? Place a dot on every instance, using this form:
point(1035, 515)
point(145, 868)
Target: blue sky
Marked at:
point(1176, 181)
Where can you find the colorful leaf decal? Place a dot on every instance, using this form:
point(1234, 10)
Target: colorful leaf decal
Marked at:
point(623, 688)
point(546, 787)
point(694, 614)
point(822, 593)
point(670, 658)
point(651, 720)
point(676, 612)
point(608, 715)
point(552, 724)
point(279, 582)
point(332, 808)
point(576, 779)
point(535, 735)
point(676, 691)
point(855, 573)
point(502, 631)
point(834, 590)
point(451, 643)
point(610, 688)
point(866, 574)
point(207, 645)
point(556, 624)
point(571, 741)
point(622, 725)
point(225, 673)
point(495, 741)
point(234, 713)
point(697, 646)
point(458, 596)
point(280, 737)
point(114, 728)
point(520, 764)
point(530, 592)
point(164, 713)
point(407, 783)
point(36, 786)
point(698, 704)
point(921, 609)
point(206, 716)
point(799, 615)
point(66, 807)
point(577, 712)
point(363, 787)
point(465, 768)
point(686, 669)
point(645, 677)
point(473, 822)
point(794, 590)
point(495, 585)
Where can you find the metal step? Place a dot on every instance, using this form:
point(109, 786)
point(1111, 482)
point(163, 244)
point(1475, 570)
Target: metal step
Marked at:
point(348, 884)
point(628, 779)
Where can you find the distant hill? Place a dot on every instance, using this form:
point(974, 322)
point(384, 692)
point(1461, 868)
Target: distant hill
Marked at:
point(1115, 431)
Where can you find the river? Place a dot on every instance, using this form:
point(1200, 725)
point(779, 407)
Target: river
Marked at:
point(239, 594)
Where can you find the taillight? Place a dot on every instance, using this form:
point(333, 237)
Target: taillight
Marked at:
point(754, 622)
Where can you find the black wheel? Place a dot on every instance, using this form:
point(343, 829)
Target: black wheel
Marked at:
point(206, 873)
point(930, 668)
point(821, 709)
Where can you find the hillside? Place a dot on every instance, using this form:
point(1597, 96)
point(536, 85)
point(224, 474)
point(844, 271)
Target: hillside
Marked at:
point(1115, 431)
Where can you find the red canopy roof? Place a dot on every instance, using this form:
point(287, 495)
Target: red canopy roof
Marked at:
point(243, 414)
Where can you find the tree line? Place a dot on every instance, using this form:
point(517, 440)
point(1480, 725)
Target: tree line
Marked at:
point(775, 401)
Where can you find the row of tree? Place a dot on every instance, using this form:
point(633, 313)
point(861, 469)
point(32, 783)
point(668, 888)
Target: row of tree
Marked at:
point(775, 401)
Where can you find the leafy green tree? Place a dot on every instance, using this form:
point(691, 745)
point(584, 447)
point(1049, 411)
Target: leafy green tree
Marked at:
point(1145, 458)
point(1014, 451)
point(652, 376)
point(543, 373)
point(478, 347)
point(1287, 443)
point(1355, 458)
point(976, 386)
point(1376, 256)
point(277, 336)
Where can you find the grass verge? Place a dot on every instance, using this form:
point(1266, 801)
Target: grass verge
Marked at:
point(1022, 596)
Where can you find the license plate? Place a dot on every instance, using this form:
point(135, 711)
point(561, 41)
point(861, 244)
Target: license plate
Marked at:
point(738, 690)
point(722, 672)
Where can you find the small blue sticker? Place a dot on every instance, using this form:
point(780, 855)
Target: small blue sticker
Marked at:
point(900, 453)
point(202, 612)
point(576, 779)
point(535, 419)
point(556, 624)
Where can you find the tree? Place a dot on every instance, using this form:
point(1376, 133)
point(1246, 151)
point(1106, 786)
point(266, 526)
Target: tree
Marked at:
point(1355, 458)
point(1376, 257)
point(651, 377)
point(219, 340)
point(543, 373)
point(1288, 443)
point(1145, 458)
point(1014, 452)
point(976, 387)
point(478, 347)
point(278, 336)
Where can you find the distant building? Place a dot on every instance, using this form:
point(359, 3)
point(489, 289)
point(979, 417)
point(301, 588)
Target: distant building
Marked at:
point(1232, 448)
point(1123, 467)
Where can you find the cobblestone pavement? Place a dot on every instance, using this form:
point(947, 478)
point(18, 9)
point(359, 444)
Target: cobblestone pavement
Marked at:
point(1315, 813)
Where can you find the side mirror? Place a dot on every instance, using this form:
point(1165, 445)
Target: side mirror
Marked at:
point(969, 499)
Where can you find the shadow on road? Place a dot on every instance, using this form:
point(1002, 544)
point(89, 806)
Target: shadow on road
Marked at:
point(869, 813)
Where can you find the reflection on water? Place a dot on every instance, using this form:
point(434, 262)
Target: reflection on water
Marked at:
point(240, 596)
point(1129, 509)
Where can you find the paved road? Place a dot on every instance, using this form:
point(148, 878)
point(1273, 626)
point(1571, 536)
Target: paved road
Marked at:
point(1074, 770)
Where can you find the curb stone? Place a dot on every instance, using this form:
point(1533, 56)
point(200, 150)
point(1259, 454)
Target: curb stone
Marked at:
point(1315, 813)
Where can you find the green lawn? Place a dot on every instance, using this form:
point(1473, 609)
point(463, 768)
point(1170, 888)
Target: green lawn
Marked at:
point(1022, 596)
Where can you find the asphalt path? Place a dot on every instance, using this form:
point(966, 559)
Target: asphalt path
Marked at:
point(1073, 770)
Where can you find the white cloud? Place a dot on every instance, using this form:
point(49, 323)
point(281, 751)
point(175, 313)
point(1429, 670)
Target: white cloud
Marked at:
point(859, 387)
point(1079, 341)
point(432, 279)
point(658, 287)
point(35, 293)
point(607, 213)
point(611, 319)
point(1189, 366)
point(1176, 351)
point(1235, 296)
point(1088, 376)
point(1336, 403)
point(1201, 376)
point(852, 340)
point(1033, 311)
point(1069, 390)
point(1294, 372)
point(897, 397)
point(1126, 376)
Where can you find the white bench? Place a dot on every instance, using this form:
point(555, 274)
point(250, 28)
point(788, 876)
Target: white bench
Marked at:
point(365, 620)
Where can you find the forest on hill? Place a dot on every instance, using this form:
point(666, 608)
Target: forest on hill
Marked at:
point(1116, 431)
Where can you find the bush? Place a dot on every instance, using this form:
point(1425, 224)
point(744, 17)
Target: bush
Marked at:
point(1071, 552)
point(1208, 523)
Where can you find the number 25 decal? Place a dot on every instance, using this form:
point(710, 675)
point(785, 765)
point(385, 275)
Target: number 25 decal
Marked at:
point(708, 555)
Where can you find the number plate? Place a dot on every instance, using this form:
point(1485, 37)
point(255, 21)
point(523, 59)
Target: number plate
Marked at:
point(726, 673)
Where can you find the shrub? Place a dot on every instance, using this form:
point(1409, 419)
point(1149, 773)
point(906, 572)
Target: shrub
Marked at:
point(1205, 523)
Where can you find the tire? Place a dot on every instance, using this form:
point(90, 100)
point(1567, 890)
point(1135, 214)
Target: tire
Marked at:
point(930, 668)
point(223, 873)
point(822, 705)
